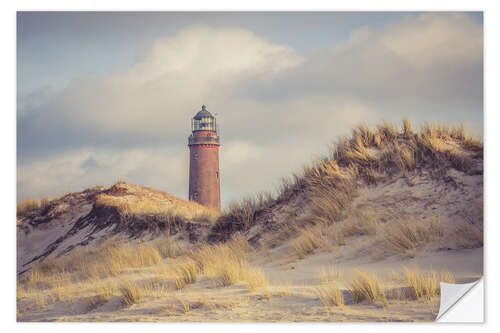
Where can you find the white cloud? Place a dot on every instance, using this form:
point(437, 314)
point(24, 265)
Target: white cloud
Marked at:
point(435, 39)
point(78, 170)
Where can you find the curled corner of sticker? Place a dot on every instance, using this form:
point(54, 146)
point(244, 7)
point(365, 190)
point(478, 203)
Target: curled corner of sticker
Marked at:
point(457, 306)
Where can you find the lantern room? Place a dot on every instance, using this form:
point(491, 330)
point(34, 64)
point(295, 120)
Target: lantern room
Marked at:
point(204, 121)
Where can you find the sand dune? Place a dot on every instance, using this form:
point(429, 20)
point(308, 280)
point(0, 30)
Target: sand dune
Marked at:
point(392, 211)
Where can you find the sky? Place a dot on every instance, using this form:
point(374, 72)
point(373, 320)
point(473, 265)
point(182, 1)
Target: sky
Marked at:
point(103, 97)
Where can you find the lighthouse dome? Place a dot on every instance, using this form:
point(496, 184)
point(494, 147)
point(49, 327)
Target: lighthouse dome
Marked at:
point(203, 113)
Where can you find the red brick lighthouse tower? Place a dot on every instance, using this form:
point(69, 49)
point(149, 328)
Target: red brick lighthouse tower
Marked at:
point(204, 177)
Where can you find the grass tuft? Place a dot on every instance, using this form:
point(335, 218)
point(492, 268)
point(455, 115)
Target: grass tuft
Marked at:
point(330, 295)
point(367, 287)
point(94, 302)
point(27, 205)
point(255, 279)
point(168, 248)
point(309, 239)
point(401, 236)
point(329, 274)
point(186, 273)
point(426, 284)
point(131, 293)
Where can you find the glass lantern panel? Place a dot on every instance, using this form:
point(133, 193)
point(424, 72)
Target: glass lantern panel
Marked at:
point(206, 123)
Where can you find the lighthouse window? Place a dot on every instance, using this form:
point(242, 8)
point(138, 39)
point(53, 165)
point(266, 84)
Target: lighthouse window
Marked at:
point(195, 156)
point(217, 174)
point(195, 195)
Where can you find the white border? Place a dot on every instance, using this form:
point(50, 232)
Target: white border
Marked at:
point(8, 139)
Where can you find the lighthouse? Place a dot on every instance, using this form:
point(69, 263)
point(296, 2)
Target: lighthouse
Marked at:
point(204, 176)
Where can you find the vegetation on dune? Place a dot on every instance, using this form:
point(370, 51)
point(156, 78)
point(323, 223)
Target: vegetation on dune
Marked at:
point(132, 202)
point(365, 286)
point(468, 232)
point(469, 235)
point(134, 292)
point(402, 235)
point(169, 248)
point(31, 204)
point(395, 237)
point(241, 215)
point(227, 264)
point(136, 201)
point(186, 273)
point(224, 263)
point(328, 186)
point(425, 284)
point(93, 302)
point(108, 269)
point(330, 274)
point(330, 295)
point(368, 157)
point(107, 259)
point(315, 237)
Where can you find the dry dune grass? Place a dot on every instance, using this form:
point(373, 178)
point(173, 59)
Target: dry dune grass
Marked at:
point(139, 200)
point(468, 235)
point(184, 306)
point(359, 223)
point(131, 293)
point(47, 288)
point(315, 237)
point(330, 274)
point(366, 286)
point(168, 247)
point(53, 289)
point(397, 236)
point(367, 157)
point(330, 295)
point(136, 200)
point(39, 280)
point(111, 269)
point(328, 292)
point(107, 259)
point(27, 205)
point(468, 232)
point(328, 236)
point(426, 284)
point(135, 292)
point(113, 258)
point(330, 194)
point(227, 264)
point(105, 288)
point(30, 204)
point(255, 278)
point(208, 261)
point(403, 235)
point(309, 239)
point(186, 273)
point(93, 302)
point(240, 215)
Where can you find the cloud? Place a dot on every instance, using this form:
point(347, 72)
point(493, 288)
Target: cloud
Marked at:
point(276, 109)
point(90, 164)
point(89, 167)
point(148, 101)
point(434, 39)
point(434, 58)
